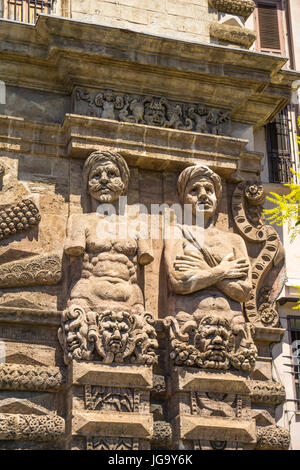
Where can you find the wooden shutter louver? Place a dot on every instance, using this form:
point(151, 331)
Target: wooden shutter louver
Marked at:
point(268, 27)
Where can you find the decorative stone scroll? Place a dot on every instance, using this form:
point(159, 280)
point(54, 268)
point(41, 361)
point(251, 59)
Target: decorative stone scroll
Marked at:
point(212, 343)
point(153, 111)
point(236, 7)
point(27, 377)
point(31, 427)
point(37, 270)
point(109, 337)
point(247, 201)
point(18, 218)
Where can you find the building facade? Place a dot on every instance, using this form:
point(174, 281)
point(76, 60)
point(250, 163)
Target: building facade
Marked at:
point(278, 142)
point(129, 321)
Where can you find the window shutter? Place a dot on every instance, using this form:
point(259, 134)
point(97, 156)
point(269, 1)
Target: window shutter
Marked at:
point(268, 27)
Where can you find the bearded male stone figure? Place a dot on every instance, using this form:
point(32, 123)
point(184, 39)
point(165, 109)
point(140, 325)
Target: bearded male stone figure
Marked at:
point(209, 275)
point(107, 289)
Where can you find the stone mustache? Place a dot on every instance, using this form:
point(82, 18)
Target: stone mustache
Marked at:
point(105, 319)
point(209, 277)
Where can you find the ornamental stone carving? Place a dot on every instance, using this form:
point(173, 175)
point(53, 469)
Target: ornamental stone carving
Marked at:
point(27, 377)
point(31, 427)
point(105, 319)
point(272, 438)
point(233, 34)
point(209, 277)
point(36, 270)
point(153, 111)
point(247, 201)
point(18, 218)
point(236, 7)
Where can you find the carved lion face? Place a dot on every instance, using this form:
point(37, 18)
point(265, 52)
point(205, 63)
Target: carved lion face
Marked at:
point(201, 194)
point(105, 183)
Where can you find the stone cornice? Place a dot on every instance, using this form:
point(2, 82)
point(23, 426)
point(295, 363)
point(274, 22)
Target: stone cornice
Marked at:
point(142, 146)
point(58, 54)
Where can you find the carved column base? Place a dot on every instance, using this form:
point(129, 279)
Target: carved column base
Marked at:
point(109, 406)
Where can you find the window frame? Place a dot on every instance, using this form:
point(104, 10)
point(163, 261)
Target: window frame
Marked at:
point(296, 382)
point(279, 7)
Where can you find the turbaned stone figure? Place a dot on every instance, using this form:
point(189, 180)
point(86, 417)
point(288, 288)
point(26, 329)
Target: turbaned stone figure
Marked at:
point(209, 277)
point(105, 319)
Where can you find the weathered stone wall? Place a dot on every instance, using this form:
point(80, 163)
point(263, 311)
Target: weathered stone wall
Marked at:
point(181, 19)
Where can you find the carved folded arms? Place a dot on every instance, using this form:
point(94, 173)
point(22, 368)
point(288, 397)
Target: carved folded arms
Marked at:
point(194, 267)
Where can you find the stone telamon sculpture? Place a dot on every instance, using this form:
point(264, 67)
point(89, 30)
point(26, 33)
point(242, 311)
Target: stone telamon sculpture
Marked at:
point(209, 276)
point(105, 311)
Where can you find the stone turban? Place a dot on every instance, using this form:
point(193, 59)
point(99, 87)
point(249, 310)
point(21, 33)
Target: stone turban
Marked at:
point(105, 155)
point(198, 171)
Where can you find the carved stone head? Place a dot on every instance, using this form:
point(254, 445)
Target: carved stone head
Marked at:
point(155, 111)
point(106, 176)
point(115, 328)
point(213, 339)
point(199, 186)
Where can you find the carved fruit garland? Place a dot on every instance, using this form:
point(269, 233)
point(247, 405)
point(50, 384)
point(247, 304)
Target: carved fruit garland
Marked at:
point(248, 196)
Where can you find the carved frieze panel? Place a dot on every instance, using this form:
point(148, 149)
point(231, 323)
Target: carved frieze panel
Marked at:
point(227, 405)
point(111, 443)
point(247, 201)
point(152, 111)
point(36, 270)
point(112, 399)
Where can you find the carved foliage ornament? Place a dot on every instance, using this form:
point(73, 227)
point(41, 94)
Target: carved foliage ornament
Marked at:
point(153, 111)
point(272, 438)
point(110, 336)
point(247, 201)
point(212, 343)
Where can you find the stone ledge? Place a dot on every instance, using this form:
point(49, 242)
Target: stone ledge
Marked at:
point(268, 335)
point(112, 424)
point(200, 380)
point(112, 375)
point(215, 428)
point(28, 316)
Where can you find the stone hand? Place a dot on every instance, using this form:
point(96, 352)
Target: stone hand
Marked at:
point(186, 263)
point(234, 268)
